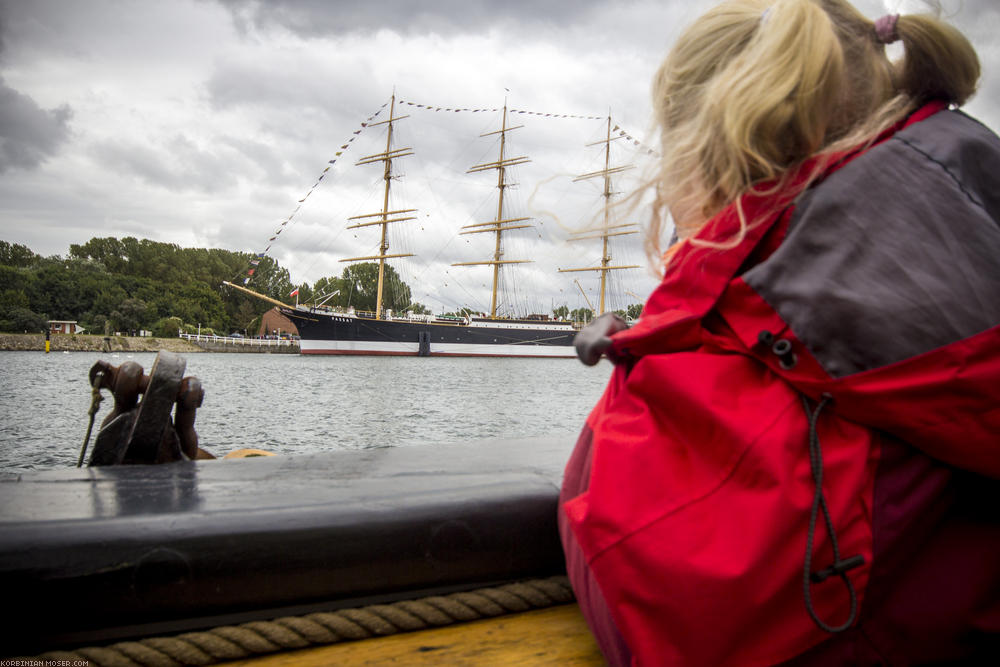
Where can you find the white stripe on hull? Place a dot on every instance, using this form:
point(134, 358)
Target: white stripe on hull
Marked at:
point(436, 349)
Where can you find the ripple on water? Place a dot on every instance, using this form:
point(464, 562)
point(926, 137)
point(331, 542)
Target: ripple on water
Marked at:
point(293, 404)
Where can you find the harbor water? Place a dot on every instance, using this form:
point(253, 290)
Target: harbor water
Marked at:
point(290, 404)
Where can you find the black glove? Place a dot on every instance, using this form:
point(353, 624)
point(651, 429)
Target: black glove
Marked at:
point(595, 338)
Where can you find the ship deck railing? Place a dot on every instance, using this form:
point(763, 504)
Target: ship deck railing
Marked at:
point(242, 341)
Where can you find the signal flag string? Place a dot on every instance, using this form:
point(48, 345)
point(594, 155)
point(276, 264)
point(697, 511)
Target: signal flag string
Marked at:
point(618, 129)
point(429, 107)
point(354, 135)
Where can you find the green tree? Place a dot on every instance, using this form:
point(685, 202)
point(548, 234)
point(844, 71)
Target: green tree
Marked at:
point(12, 298)
point(19, 319)
point(107, 301)
point(55, 291)
point(419, 309)
point(16, 255)
point(271, 279)
point(130, 315)
point(631, 313)
point(359, 288)
point(16, 315)
point(561, 313)
point(16, 278)
point(197, 303)
point(326, 287)
point(305, 293)
point(168, 327)
point(96, 279)
point(110, 252)
point(246, 315)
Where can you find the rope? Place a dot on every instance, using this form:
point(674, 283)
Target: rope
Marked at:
point(296, 632)
point(255, 262)
point(95, 403)
point(839, 567)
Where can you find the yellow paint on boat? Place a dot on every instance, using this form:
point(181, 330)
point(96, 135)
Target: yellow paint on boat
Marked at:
point(247, 453)
point(553, 636)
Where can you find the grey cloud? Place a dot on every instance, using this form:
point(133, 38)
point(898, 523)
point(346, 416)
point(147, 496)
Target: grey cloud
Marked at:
point(138, 161)
point(295, 120)
point(314, 18)
point(255, 84)
point(266, 158)
point(43, 26)
point(178, 166)
point(29, 134)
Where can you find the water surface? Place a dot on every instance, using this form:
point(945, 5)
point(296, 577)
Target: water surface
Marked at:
point(293, 404)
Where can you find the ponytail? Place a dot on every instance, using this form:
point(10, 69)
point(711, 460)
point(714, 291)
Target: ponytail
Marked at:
point(750, 90)
point(938, 62)
point(754, 88)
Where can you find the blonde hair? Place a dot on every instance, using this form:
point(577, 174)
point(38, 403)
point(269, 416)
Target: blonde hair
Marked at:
point(754, 88)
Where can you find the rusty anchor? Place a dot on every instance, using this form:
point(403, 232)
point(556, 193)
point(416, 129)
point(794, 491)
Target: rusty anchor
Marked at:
point(142, 431)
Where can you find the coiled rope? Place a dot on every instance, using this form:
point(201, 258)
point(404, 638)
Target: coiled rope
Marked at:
point(296, 632)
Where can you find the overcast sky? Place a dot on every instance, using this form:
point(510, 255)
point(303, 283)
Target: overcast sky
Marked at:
point(204, 122)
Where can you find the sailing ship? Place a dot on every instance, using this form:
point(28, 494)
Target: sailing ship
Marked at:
point(347, 331)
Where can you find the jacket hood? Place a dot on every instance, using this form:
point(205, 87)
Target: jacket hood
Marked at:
point(883, 282)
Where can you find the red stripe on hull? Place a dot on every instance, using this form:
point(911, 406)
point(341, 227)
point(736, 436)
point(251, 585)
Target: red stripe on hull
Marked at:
point(369, 353)
point(360, 353)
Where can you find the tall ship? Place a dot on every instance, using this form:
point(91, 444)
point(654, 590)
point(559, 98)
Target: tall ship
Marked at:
point(346, 331)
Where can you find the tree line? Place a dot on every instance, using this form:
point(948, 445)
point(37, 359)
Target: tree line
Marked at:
point(110, 285)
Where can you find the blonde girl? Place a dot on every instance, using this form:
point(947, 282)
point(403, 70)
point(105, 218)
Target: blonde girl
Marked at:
point(797, 455)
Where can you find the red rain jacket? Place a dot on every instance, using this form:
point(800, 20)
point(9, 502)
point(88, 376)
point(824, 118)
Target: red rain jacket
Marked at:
point(869, 306)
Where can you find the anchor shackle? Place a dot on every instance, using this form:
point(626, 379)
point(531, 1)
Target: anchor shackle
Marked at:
point(143, 432)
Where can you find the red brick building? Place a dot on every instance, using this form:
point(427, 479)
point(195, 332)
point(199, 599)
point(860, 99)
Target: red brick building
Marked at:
point(273, 323)
point(64, 327)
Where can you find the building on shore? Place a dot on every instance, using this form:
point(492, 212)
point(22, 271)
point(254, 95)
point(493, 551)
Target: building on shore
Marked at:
point(65, 327)
point(273, 323)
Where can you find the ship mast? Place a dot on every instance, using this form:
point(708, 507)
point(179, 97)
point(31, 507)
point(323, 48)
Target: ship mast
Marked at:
point(499, 225)
point(606, 230)
point(385, 216)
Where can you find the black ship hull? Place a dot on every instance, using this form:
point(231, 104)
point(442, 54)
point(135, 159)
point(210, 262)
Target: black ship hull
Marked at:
point(334, 333)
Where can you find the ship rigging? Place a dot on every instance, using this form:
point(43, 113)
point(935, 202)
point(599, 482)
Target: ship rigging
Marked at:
point(343, 330)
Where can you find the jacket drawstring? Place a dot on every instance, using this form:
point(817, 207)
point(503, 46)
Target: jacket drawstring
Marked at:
point(839, 567)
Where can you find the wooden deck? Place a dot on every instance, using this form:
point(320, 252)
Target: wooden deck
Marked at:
point(553, 636)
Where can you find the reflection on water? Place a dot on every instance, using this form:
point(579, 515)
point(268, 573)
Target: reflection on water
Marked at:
point(291, 404)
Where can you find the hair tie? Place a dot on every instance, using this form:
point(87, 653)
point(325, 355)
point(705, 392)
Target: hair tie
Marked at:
point(885, 29)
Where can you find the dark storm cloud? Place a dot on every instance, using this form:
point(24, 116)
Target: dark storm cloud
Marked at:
point(314, 18)
point(29, 134)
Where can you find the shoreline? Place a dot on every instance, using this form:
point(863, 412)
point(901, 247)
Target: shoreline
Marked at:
point(90, 343)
